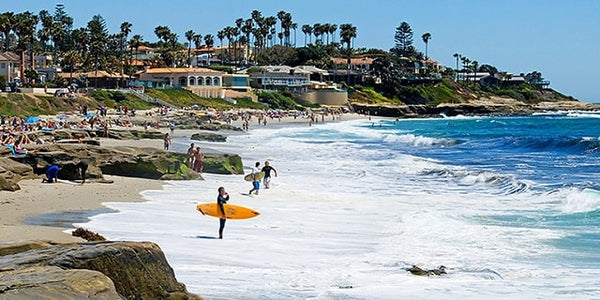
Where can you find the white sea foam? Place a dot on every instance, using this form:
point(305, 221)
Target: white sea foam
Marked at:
point(343, 221)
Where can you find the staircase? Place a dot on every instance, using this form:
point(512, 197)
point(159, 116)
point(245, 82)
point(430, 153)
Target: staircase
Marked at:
point(147, 98)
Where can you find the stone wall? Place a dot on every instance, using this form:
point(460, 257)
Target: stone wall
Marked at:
point(324, 97)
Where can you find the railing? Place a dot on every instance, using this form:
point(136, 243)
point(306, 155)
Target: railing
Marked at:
point(145, 97)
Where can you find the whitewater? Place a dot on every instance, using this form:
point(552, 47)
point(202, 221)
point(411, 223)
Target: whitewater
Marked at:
point(509, 205)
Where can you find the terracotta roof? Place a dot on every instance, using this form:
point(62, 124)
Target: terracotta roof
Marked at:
point(93, 74)
point(9, 56)
point(180, 70)
point(353, 61)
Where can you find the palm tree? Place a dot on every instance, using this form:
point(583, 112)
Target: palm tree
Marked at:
point(45, 32)
point(125, 30)
point(294, 26)
point(221, 36)
point(6, 26)
point(135, 43)
point(70, 59)
point(348, 32)
point(281, 16)
point(457, 56)
point(189, 36)
point(332, 29)
point(426, 36)
point(24, 28)
point(317, 30)
point(209, 40)
point(307, 30)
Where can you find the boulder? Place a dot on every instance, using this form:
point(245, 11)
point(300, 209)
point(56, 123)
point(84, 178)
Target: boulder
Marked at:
point(207, 136)
point(55, 283)
point(223, 164)
point(139, 270)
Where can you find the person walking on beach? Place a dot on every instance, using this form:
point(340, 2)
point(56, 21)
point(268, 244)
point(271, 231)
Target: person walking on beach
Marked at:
point(267, 169)
point(255, 182)
point(222, 198)
point(198, 160)
point(167, 141)
point(190, 156)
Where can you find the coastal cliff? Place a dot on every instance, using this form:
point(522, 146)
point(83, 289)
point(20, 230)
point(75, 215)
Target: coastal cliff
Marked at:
point(99, 270)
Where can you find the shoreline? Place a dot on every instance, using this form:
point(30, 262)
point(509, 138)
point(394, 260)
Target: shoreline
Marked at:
point(41, 211)
point(36, 199)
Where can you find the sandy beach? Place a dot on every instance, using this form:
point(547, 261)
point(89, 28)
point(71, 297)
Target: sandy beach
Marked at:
point(60, 200)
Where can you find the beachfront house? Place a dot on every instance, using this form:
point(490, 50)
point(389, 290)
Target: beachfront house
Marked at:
point(280, 78)
point(10, 65)
point(201, 81)
point(96, 79)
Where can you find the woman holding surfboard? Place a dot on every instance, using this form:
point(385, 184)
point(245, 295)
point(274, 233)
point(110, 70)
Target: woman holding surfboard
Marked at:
point(222, 198)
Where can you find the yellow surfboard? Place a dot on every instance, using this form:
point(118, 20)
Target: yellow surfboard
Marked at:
point(255, 177)
point(231, 211)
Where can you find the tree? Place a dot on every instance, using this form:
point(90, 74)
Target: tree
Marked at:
point(426, 36)
point(61, 29)
point(307, 30)
point(45, 32)
point(488, 69)
point(221, 36)
point(189, 36)
point(457, 56)
point(404, 41)
point(209, 40)
point(99, 38)
point(332, 29)
point(6, 26)
point(135, 43)
point(534, 78)
point(24, 28)
point(348, 32)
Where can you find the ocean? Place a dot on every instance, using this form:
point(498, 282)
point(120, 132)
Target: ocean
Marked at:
point(509, 205)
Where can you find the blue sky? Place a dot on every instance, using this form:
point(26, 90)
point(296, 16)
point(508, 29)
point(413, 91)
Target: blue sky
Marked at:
point(560, 39)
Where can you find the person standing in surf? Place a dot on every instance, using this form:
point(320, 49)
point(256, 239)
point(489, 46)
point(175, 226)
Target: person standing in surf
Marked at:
point(267, 169)
point(255, 181)
point(222, 198)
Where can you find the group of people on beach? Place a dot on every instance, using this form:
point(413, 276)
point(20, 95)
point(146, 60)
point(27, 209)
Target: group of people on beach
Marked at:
point(195, 158)
point(223, 196)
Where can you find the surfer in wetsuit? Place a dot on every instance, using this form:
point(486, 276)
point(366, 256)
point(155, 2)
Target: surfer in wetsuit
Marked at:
point(222, 198)
point(82, 167)
point(267, 169)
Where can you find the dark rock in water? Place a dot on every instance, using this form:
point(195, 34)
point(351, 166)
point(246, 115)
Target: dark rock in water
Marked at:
point(138, 270)
point(87, 235)
point(223, 164)
point(207, 136)
point(422, 272)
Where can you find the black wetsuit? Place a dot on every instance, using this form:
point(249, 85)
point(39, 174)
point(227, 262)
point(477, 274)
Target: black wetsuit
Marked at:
point(267, 170)
point(220, 201)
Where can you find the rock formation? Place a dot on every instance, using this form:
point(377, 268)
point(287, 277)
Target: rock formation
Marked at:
point(98, 270)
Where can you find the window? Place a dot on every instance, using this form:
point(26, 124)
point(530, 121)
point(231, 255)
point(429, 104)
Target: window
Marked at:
point(182, 81)
point(207, 81)
point(192, 81)
point(216, 81)
point(200, 81)
point(2, 65)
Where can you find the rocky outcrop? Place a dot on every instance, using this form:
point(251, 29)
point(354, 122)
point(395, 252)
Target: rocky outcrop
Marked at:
point(223, 164)
point(100, 270)
point(148, 163)
point(207, 136)
point(474, 108)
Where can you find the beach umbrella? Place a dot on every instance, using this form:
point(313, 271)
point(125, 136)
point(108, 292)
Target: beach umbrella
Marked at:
point(32, 120)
